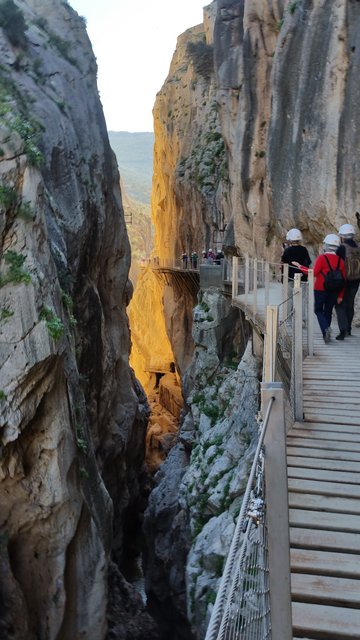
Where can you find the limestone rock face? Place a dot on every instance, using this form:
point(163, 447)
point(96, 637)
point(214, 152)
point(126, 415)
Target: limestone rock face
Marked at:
point(293, 131)
point(72, 417)
point(190, 182)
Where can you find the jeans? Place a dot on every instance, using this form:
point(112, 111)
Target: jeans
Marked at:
point(324, 304)
point(345, 310)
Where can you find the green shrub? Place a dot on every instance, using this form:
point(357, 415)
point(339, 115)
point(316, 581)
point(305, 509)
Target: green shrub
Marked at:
point(25, 211)
point(3, 395)
point(15, 272)
point(211, 411)
point(80, 440)
point(198, 398)
point(5, 313)
point(13, 23)
point(53, 323)
point(202, 57)
point(8, 196)
point(29, 134)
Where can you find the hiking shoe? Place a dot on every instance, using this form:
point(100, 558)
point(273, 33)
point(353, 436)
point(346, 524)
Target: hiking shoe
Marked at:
point(341, 335)
point(327, 336)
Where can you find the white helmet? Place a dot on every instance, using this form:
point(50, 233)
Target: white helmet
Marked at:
point(332, 240)
point(346, 230)
point(294, 235)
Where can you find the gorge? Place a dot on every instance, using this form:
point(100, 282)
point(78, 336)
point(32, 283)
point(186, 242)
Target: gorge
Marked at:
point(256, 131)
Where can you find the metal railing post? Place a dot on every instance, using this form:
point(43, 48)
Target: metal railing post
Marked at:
point(235, 275)
point(310, 313)
point(267, 283)
point(255, 276)
point(297, 364)
point(270, 341)
point(277, 514)
point(285, 291)
point(247, 277)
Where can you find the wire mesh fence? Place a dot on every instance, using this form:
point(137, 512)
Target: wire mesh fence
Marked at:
point(247, 611)
point(242, 607)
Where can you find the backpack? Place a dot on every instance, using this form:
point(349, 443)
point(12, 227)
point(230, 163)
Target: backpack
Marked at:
point(352, 262)
point(333, 280)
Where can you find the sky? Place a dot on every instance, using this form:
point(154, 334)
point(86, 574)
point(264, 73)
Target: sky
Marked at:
point(133, 41)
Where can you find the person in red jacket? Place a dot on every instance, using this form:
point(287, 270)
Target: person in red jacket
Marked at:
point(326, 300)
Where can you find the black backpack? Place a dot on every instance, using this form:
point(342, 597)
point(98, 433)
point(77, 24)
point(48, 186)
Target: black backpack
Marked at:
point(333, 280)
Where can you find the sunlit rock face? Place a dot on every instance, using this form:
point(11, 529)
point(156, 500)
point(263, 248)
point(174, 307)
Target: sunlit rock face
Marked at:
point(190, 182)
point(72, 416)
point(151, 349)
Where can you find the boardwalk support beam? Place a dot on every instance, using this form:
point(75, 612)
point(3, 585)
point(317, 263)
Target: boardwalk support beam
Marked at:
point(277, 513)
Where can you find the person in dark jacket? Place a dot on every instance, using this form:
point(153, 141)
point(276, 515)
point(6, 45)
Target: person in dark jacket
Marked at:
point(345, 310)
point(295, 252)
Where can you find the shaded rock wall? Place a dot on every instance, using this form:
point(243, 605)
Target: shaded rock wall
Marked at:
point(72, 416)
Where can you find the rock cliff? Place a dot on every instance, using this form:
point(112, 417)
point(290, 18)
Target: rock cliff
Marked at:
point(256, 130)
point(72, 416)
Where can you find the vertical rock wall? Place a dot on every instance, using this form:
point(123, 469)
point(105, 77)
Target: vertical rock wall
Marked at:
point(258, 131)
point(72, 417)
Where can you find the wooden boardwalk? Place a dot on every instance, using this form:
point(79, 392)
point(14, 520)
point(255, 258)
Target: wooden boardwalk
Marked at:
point(323, 458)
point(324, 494)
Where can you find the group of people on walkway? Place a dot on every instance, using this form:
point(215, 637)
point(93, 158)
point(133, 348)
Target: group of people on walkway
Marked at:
point(336, 273)
point(209, 257)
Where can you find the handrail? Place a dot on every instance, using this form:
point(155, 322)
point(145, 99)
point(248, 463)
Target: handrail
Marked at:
point(217, 612)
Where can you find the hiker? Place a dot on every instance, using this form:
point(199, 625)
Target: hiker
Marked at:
point(328, 266)
point(219, 257)
point(185, 260)
point(194, 260)
point(295, 251)
point(350, 253)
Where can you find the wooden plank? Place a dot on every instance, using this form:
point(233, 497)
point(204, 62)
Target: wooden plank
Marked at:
point(325, 540)
point(322, 463)
point(326, 426)
point(324, 520)
point(311, 416)
point(329, 454)
point(326, 445)
point(337, 386)
point(334, 411)
point(322, 503)
point(324, 488)
point(325, 563)
point(345, 477)
point(331, 399)
point(330, 590)
point(335, 623)
point(320, 434)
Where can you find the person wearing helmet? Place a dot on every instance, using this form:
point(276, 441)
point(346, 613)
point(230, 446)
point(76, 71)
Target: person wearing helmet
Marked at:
point(295, 251)
point(326, 300)
point(350, 253)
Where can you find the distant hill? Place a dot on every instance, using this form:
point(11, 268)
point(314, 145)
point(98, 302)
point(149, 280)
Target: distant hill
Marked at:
point(134, 153)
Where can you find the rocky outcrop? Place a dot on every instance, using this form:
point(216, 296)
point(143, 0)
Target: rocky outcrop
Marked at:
point(72, 415)
point(198, 489)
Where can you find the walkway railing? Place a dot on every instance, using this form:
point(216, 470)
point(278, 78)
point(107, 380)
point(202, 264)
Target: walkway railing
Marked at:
point(254, 597)
point(285, 310)
point(253, 601)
